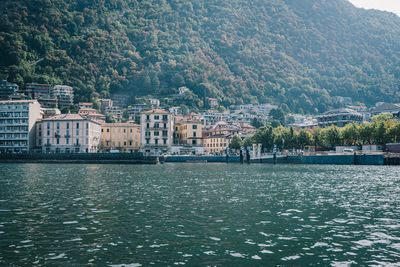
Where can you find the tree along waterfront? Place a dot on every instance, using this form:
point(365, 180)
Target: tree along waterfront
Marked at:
point(383, 128)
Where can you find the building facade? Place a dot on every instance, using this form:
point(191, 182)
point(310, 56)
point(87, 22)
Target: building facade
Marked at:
point(68, 133)
point(216, 143)
point(156, 131)
point(188, 132)
point(37, 90)
point(64, 95)
point(7, 90)
point(124, 137)
point(339, 117)
point(17, 125)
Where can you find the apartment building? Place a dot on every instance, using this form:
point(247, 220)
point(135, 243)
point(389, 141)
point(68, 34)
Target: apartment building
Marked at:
point(7, 90)
point(68, 133)
point(64, 95)
point(156, 131)
point(188, 132)
point(124, 137)
point(17, 125)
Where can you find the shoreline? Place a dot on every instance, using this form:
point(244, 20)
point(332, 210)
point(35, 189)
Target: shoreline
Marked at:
point(138, 158)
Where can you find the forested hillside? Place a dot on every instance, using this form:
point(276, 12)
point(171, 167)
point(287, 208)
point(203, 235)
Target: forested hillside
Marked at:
point(282, 51)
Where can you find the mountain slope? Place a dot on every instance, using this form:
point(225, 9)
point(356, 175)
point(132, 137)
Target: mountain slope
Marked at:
point(285, 51)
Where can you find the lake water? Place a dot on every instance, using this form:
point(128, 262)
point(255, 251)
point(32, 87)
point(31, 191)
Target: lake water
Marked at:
point(199, 214)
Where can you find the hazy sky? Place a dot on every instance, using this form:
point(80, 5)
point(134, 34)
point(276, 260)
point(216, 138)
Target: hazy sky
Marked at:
point(387, 5)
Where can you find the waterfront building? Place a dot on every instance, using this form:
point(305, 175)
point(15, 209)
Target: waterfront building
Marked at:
point(188, 132)
point(339, 117)
point(7, 90)
point(124, 137)
point(68, 133)
point(216, 143)
point(156, 131)
point(17, 125)
point(64, 95)
point(37, 90)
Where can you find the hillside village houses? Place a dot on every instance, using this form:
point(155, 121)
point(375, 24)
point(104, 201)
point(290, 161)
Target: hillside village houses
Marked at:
point(36, 125)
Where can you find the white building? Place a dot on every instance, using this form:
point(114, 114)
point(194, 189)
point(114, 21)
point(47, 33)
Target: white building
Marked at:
point(64, 95)
point(68, 133)
point(156, 131)
point(17, 125)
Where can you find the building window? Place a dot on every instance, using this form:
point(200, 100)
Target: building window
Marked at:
point(156, 133)
point(40, 142)
point(194, 134)
point(124, 130)
point(165, 117)
point(58, 126)
point(147, 125)
point(48, 125)
point(48, 132)
point(130, 143)
point(156, 125)
point(131, 130)
point(67, 125)
point(102, 130)
point(58, 141)
point(194, 142)
point(87, 141)
point(147, 141)
point(108, 130)
point(156, 117)
point(194, 127)
point(87, 125)
point(77, 125)
point(156, 141)
point(67, 141)
point(147, 117)
point(124, 143)
point(165, 141)
point(48, 141)
point(165, 133)
point(77, 132)
point(77, 141)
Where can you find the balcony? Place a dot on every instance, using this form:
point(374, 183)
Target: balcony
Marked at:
point(67, 136)
point(47, 145)
point(57, 135)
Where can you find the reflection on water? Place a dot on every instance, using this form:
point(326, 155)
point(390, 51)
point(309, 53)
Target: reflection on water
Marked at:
point(191, 214)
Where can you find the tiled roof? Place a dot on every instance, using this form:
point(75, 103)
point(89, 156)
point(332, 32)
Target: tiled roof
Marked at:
point(156, 111)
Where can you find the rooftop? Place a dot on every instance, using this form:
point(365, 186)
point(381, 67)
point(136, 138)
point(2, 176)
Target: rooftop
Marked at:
point(156, 111)
point(120, 124)
point(69, 117)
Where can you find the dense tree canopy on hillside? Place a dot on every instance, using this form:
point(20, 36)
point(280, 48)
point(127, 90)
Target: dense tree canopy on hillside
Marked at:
point(301, 53)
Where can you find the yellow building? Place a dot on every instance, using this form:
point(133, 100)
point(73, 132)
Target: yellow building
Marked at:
point(124, 137)
point(188, 132)
point(216, 143)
